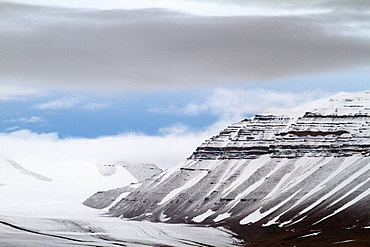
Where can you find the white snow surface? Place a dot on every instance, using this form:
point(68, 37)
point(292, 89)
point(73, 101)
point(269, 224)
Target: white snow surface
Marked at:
point(39, 184)
point(222, 217)
point(258, 215)
point(76, 225)
point(310, 235)
point(340, 104)
point(203, 216)
point(44, 202)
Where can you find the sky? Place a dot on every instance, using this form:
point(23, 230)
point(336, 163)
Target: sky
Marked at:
point(149, 81)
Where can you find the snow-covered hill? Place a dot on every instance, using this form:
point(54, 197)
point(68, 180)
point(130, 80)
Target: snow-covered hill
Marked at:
point(306, 168)
point(41, 205)
point(24, 186)
point(104, 199)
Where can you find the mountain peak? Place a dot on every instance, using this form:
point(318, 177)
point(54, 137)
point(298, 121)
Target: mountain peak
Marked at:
point(336, 126)
point(339, 104)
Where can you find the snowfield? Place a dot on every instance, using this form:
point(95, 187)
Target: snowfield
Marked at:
point(41, 205)
point(76, 225)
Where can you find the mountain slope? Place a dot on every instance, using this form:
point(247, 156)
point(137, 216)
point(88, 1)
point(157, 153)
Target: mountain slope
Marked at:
point(302, 169)
point(104, 199)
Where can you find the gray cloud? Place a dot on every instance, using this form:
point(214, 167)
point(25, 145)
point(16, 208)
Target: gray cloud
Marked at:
point(136, 49)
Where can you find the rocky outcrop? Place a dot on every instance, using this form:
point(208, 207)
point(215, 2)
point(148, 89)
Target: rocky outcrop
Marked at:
point(104, 199)
point(140, 171)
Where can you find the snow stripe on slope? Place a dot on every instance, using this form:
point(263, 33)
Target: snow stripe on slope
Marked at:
point(251, 168)
point(257, 215)
point(189, 184)
point(350, 203)
point(336, 189)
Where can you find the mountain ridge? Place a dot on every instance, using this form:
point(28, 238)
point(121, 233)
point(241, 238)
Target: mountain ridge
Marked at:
point(308, 171)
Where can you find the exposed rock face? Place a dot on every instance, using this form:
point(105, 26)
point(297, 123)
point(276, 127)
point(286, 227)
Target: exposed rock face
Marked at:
point(104, 199)
point(139, 171)
point(302, 169)
point(338, 128)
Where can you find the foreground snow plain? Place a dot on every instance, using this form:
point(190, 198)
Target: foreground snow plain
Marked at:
point(41, 205)
point(76, 225)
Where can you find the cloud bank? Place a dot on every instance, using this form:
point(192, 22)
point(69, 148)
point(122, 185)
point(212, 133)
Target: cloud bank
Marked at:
point(173, 145)
point(165, 151)
point(235, 104)
point(156, 48)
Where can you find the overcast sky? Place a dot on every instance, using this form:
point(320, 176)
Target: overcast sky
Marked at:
point(166, 72)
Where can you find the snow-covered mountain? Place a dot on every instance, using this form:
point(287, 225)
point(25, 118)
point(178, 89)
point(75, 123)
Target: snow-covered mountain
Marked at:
point(306, 168)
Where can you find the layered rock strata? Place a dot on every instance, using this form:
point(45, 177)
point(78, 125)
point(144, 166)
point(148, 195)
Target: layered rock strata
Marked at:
point(298, 170)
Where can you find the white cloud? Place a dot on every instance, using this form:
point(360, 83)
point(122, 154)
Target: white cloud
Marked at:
point(234, 104)
point(202, 8)
point(94, 106)
point(33, 119)
point(165, 151)
point(176, 143)
point(69, 102)
point(12, 128)
point(64, 103)
point(11, 92)
point(178, 129)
